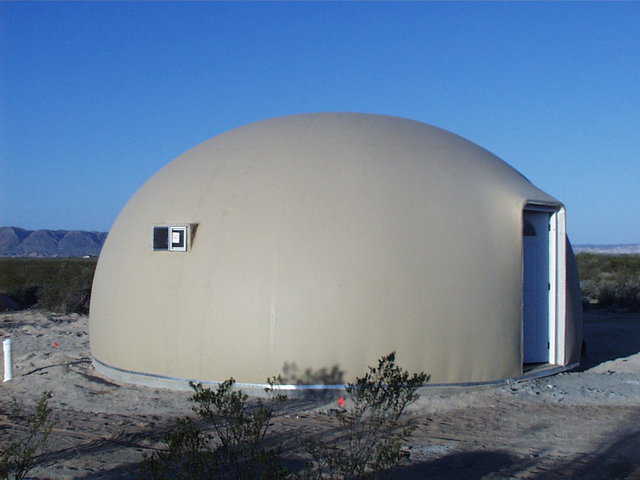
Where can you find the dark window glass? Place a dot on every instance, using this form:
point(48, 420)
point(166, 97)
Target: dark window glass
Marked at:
point(160, 238)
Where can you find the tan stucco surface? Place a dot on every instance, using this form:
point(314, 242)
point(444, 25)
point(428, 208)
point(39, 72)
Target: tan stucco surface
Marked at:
point(322, 240)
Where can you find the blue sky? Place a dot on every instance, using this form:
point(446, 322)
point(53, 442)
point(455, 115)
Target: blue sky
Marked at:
point(96, 97)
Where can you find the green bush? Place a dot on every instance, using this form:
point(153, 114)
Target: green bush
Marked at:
point(610, 280)
point(236, 448)
point(20, 455)
point(371, 431)
point(57, 284)
point(229, 437)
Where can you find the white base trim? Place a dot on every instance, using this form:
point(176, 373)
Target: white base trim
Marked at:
point(175, 383)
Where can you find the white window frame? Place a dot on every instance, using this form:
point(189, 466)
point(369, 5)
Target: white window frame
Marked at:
point(186, 228)
point(179, 228)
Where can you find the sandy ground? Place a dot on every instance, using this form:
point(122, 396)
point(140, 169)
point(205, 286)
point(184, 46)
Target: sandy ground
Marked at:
point(573, 425)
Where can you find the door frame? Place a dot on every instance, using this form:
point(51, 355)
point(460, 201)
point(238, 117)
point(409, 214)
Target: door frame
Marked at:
point(557, 282)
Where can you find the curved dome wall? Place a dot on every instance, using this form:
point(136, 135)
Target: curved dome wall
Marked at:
point(322, 240)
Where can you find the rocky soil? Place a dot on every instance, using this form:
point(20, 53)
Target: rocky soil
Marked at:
point(581, 424)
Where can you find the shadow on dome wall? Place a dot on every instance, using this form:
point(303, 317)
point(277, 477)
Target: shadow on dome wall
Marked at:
point(293, 375)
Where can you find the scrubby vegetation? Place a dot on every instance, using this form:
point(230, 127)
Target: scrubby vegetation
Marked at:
point(57, 284)
point(19, 457)
point(610, 280)
point(229, 438)
point(371, 431)
point(64, 284)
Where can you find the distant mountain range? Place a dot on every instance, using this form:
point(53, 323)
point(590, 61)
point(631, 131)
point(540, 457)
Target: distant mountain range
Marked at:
point(611, 249)
point(18, 242)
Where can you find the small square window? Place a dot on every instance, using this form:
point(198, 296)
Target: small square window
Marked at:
point(174, 238)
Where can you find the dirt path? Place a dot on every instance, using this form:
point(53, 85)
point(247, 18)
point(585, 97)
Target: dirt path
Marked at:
point(576, 425)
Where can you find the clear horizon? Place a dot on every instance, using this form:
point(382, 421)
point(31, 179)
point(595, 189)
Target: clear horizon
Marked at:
point(96, 97)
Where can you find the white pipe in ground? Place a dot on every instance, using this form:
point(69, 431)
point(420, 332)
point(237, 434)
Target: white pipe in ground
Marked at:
point(8, 370)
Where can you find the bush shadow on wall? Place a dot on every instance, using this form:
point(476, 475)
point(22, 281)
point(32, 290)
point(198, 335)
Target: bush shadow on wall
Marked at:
point(308, 378)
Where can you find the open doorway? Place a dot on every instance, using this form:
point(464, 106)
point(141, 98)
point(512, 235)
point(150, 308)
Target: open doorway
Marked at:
point(543, 266)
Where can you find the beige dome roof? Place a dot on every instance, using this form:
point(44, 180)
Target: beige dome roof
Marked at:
point(321, 240)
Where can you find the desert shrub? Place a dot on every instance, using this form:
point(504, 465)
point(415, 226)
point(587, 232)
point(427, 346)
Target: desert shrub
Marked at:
point(19, 457)
point(371, 431)
point(610, 280)
point(25, 296)
point(235, 448)
point(55, 284)
point(229, 435)
point(186, 455)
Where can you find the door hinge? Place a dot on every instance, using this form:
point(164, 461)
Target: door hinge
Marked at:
point(548, 346)
point(548, 286)
point(549, 227)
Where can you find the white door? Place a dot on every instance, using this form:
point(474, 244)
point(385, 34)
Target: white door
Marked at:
point(536, 287)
